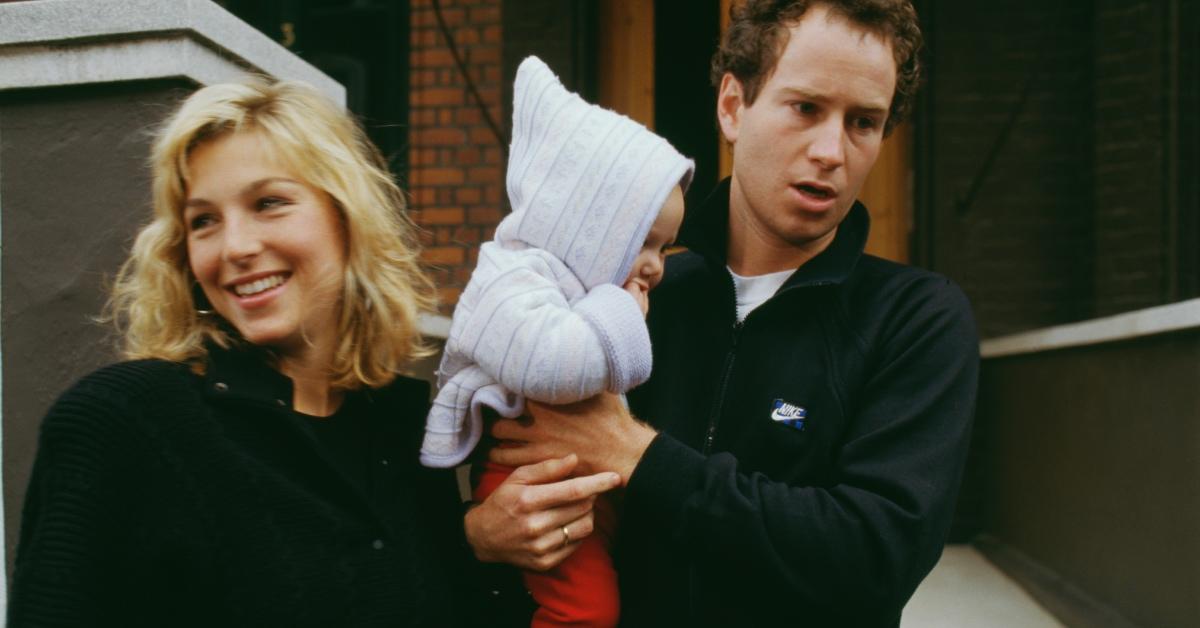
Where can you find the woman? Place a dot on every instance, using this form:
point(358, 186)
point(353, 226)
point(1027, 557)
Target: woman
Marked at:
point(255, 462)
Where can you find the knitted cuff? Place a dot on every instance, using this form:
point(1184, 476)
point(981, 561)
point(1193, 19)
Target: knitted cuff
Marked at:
point(618, 321)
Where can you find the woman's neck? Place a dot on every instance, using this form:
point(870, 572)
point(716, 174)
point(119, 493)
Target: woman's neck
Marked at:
point(312, 389)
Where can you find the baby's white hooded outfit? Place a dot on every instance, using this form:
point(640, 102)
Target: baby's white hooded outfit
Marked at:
point(544, 315)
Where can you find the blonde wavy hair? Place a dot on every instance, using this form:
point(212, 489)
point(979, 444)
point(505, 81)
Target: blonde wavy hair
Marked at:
point(384, 289)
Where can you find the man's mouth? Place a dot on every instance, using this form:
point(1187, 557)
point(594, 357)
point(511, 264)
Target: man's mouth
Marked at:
point(815, 191)
point(251, 288)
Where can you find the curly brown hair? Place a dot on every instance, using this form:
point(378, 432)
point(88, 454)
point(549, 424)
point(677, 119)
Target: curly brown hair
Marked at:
point(758, 33)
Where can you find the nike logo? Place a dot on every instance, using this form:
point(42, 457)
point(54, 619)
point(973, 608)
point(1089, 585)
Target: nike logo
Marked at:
point(789, 414)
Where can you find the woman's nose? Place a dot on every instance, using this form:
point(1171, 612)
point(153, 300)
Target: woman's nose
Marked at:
point(242, 239)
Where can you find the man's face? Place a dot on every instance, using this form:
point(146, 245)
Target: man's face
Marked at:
point(802, 151)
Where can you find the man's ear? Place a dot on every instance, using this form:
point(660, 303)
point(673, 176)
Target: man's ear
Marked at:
point(729, 106)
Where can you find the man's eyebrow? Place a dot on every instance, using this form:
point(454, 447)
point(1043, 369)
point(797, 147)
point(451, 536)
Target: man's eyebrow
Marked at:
point(799, 92)
point(249, 188)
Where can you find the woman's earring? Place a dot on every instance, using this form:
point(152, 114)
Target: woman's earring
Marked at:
point(200, 300)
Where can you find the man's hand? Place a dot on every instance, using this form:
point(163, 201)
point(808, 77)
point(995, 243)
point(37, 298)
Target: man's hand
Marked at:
point(598, 430)
point(522, 521)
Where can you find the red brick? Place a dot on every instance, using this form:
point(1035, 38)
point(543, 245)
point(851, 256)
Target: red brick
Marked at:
point(482, 56)
point(437, 176)
point(491, 194)
point(467, 235)
point(468, 115)
point(484, 174)
point(425, 38)
point(436, 96)
point(422, 117)
point(485, 15)
point(491, 34)
point(466, 36)
point(467, 156)
point(462, 275)
point(446, 117)
point(445, 255)
point(438, 137)
point(442, 216)
point(423, 196)
point(492, 155)
point(423, 77)
point(422, 157)
point(483, 216)
point(445, 196)
point(432, 58)
point(491, 96)
point(468, 196)
point(482, 135)
point(426, 17)
point(441, 237)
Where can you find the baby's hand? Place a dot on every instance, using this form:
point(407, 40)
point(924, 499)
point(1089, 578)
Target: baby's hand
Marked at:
point(640, 292)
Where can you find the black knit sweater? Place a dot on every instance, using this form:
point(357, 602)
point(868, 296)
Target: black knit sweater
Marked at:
point(164, 498)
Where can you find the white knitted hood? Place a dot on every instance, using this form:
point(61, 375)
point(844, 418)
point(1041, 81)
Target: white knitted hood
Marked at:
point(585, 183)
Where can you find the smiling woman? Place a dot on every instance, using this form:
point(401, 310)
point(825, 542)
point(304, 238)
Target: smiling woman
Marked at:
point(255, 462)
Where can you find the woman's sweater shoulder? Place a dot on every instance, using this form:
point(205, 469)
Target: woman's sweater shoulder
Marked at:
point(113, 396)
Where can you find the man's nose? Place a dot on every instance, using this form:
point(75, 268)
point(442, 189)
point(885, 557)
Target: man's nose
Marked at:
point(828, 146)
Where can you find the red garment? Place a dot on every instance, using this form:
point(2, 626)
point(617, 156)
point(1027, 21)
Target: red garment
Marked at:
point(581, 590)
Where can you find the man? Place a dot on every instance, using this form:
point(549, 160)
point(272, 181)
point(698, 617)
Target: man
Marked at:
point(809, 410)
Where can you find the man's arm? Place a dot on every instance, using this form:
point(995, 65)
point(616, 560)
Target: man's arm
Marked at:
point(871, 535)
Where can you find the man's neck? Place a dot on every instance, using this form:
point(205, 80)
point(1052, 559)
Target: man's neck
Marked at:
point(752, 251)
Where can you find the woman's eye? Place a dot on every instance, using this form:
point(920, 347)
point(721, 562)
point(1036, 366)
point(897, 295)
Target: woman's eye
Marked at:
point(200, 221)
point(267, 202)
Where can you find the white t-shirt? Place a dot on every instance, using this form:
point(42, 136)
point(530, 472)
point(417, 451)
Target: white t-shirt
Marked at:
point(754, 291)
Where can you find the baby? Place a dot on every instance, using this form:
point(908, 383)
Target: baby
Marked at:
point(555, 309)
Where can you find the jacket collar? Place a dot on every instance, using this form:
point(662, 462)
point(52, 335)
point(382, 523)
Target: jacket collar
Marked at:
point(244, 373)
point(706, 231)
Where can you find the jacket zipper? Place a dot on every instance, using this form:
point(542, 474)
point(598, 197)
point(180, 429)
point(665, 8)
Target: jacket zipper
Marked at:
point(719, 403)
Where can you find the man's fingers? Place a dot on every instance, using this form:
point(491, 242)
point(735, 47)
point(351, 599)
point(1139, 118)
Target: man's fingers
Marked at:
point(545, 562)
point(517, 455)
point(552, 540)
point(548, 496)
point(543, 472)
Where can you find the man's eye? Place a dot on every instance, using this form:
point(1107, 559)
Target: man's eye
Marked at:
point(804, 107)
point(865, 123)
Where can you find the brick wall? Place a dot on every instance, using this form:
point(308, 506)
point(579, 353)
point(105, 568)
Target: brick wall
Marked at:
point(456, 171)
point(1022, 247)
point(1130, 161)
point(1090, 206)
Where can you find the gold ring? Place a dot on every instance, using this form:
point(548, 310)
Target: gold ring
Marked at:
point(566, 537)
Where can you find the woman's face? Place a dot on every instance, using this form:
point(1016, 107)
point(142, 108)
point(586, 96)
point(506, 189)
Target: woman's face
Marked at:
point(267, 248)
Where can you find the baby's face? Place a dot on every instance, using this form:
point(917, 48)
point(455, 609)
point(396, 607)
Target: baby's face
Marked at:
point(647, 268)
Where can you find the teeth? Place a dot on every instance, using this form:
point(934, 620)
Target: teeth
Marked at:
point(254, 287)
